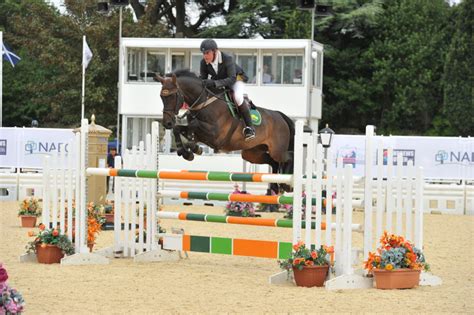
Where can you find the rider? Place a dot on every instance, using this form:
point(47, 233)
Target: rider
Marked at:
point(220, 71)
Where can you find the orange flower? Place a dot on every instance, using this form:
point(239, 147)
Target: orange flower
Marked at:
point(309, 263)
point(41, 227)
point(329, 249)
point(314, 255)
point(55, 232)
point(388, 267)
point(31, 233)
point(43, 245)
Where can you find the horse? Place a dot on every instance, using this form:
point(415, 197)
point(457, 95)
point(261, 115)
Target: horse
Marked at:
point(210, 121)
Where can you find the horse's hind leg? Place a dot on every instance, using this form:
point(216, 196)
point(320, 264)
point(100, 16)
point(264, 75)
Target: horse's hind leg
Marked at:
point(258, 155)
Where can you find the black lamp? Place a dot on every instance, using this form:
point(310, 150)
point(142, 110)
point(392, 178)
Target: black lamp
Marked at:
point(103, 7)
point(325, 136)
point(119, 2)
point(305, 4)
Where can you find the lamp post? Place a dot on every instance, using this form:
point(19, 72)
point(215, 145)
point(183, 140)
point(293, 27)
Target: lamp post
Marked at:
point(103, 7)
point(325, 138)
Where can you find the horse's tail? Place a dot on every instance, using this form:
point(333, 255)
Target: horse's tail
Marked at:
point(287, 167)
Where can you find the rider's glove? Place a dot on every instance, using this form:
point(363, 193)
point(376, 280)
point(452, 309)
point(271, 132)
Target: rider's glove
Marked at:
point(209, 83)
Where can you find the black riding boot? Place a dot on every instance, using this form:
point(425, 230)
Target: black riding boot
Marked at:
point(249, 132)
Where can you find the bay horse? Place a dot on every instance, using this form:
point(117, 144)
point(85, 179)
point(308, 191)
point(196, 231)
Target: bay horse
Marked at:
point(210, 121)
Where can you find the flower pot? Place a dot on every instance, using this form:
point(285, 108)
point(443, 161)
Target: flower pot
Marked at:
point(49, 254)
point(109, 218)
point(396, 278)
point(310, 276)
point(28, 221)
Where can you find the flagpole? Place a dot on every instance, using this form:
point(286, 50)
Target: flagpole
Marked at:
point(1, 79)
point(83, 76)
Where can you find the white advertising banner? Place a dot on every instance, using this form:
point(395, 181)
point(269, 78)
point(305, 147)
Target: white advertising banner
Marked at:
point(440, 157)
point(26, 147)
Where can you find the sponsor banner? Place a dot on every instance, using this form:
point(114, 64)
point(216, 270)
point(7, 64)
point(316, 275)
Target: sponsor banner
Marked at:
point(26, 147)
point(440, 157)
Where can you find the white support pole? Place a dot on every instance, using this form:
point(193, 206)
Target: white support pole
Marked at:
point(154, 164)
point(389, 191)
point(318, 191)
point(81, 238)
point(369, 133)
point(380, 199)
point(54, 188)
point(347, 240)
point(419, 209)
point(309, 186)
point(409, 201)
point(339, 208)
point(46, 216)
point(399, 209)
point(70, 174)
point(62, 188)
point(297, 186)
point(118, 243)
point(78, 148)
point(328, 197)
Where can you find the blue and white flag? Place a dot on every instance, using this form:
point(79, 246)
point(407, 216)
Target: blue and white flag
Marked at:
point(8, 55)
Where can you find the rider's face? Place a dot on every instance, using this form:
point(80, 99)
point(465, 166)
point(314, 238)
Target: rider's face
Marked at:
point(208, 56)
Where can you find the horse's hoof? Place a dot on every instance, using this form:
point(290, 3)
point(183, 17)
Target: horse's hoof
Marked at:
point(198, 150)
point(189, 156)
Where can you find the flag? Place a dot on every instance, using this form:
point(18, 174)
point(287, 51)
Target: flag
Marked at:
point(8, 55)
point(86, 54)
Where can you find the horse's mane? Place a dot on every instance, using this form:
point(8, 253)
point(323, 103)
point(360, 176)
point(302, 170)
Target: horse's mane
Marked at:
point(185, 73)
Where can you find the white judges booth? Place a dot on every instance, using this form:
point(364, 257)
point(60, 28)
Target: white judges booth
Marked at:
point(284, 74)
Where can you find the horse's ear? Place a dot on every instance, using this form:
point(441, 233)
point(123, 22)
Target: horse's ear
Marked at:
point(158, 78)
point(174, 79)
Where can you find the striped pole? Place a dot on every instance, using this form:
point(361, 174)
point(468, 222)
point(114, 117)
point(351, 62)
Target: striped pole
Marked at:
point(279, 200)
point(212, 218)
point(194, 175)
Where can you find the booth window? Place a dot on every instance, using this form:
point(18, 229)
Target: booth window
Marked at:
point(196, 63)
point(282, 68)
point(135, 57)
point(248, 62)
point(143, 64)
point(155, 64)
point(317, 69)
point(289, 69)
point(177, 61)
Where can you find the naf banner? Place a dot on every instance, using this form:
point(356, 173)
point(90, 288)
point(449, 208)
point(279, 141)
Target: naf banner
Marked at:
point(26, 147)
point(440, 157)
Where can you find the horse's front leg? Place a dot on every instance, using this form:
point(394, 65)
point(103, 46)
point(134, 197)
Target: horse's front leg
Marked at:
point(182, 149)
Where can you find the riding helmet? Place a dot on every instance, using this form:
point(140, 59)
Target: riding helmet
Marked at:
point(208, 44)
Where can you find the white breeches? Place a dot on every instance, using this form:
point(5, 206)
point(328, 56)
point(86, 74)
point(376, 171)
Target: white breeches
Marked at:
point(239, 90)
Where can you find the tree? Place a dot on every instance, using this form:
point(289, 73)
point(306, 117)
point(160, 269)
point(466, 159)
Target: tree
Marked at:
point(176, 14)
point(457, 115)
point(347, 35)
point(407, 57)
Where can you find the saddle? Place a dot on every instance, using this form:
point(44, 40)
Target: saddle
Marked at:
point(232, 105)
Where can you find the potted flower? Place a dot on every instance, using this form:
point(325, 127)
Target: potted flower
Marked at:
point(239, 208)
point(310, 267)
point(397, 264)
point(29, 211)
point(49, 245)
point(11, 301)
point(109, 213)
